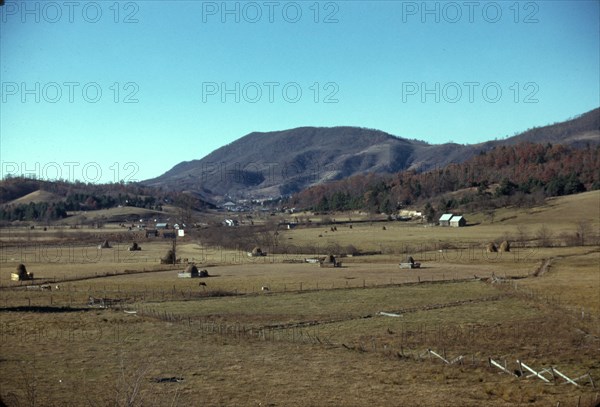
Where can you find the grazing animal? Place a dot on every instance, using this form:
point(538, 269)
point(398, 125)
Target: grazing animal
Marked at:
point(46, 287)
point(201, 284)
point(264, 288)
point(57, 287)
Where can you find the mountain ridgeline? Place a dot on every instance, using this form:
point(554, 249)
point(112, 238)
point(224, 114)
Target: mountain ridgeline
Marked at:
point(268, 165)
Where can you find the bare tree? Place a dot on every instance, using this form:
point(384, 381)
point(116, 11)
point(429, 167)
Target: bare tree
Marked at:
point(544, 236)
point(522, 234)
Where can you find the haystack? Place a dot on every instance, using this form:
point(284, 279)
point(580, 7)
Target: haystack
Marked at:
point(329, 261)
point(169, 258)
point(134, 247)
point(410, 263)
point(491, 247)
point(192, 270)
point(21, 274)
point(257, 252)
point(105, 245)
point(505, 246)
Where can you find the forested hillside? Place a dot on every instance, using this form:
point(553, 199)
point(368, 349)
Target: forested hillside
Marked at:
point(519, 175)
point(78, 196)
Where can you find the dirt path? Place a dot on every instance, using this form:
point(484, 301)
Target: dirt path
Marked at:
point(546, 263)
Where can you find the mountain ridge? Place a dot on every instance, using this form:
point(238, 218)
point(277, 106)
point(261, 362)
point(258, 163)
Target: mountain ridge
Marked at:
point(271, 164)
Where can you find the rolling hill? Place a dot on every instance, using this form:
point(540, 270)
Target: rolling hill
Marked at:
point(37, 196)
point(279, 163)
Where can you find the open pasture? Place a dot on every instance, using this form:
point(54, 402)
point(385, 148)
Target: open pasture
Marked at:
point(353, 336)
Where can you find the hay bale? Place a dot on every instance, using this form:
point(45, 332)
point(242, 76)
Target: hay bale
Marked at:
point(491, 247)
point(505, 246)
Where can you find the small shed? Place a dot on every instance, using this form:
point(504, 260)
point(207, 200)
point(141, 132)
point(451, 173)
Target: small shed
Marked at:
point(162, 226)
point(458, 221)
point(445, 219)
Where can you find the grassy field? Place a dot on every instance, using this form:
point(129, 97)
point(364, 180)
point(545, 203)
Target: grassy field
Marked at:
point(353, 336)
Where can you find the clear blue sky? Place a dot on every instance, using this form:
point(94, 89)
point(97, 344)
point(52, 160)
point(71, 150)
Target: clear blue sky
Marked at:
point(430, 71)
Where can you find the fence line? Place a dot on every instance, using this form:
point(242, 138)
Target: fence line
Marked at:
point(539, 296)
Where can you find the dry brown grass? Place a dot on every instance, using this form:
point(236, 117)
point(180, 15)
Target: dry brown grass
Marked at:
point(98, 352)
point(101, 352)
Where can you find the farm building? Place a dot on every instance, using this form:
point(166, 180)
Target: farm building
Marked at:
point(445, 219)
point(458, 221)
point(162, 226)
point(230, 206)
